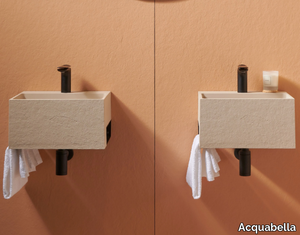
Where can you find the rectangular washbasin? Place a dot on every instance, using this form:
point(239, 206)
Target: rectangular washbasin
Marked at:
point(228, 119)
point(55, 120)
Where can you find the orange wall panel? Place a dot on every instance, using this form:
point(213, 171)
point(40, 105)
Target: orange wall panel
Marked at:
point(199, 45)
point(109, 45)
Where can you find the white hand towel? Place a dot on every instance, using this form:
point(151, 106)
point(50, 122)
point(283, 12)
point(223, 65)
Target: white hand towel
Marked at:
point(199, 167)
point(212, 168)
point(194, 171)
point(23, 166)
point(17, 165)
point(31, 158)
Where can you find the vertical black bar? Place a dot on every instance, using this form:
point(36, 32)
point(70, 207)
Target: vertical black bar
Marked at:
point(62, 162)
point(242, 78)
point(66, 81)
point(242, 82)
point(108, 132)
point(245, 162)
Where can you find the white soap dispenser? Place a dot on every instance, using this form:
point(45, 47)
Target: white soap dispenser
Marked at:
point(270, 81)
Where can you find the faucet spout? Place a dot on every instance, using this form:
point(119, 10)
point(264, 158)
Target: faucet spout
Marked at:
point(65, 77)
point(242, 78)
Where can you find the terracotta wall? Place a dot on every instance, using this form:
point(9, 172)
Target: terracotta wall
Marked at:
point(198, 47)
point(111, 46)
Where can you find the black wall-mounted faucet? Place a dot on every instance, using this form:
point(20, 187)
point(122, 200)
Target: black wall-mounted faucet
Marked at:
point(242, 78)
point(244, 155)
point(64, 155)
point(65, 77)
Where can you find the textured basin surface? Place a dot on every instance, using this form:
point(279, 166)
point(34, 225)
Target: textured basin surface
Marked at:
point(56, 95)
point(246, 120)
point(248, 95)
point(54, 120)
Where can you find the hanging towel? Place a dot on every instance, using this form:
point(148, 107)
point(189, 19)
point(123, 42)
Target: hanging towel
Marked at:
point(212, 168)
point(17, 165)
point(28, 160)
point(195, 168)
point(199, 167)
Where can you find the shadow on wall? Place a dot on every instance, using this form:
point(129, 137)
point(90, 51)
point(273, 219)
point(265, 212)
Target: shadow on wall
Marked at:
point(87, 86)
point(255, 198)
point(105, 191)
point(174, 196)
point(270, 192)
point(207, 214)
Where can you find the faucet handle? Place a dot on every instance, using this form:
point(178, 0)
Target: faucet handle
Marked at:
point(63, 68)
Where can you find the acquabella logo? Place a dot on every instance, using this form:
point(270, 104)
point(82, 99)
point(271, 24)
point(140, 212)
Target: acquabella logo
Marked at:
point(285, 227)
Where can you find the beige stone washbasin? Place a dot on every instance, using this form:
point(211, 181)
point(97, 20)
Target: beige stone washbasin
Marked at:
point(55, 120)
point(228, 119)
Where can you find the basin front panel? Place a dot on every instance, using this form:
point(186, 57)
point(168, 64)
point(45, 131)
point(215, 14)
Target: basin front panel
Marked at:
point(55, 123)
point(258, 120)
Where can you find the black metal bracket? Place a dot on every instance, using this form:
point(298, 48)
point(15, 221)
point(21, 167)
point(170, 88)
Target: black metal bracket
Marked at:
point(108, 132)
point(71, 154)
point(244, 157)
point(62, 158)
point(236, 153)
